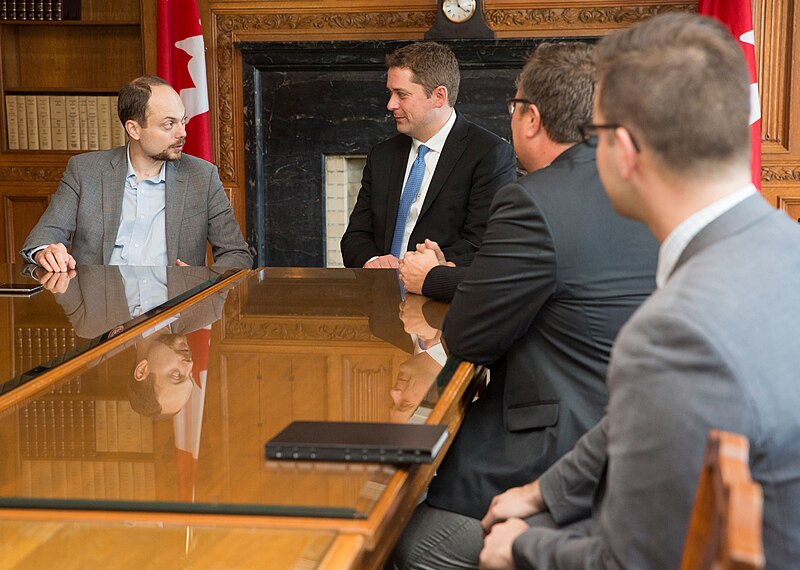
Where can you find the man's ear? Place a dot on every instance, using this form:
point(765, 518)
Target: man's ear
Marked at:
point(440, 96)
point(630, 154)
point(133, 129)
point(533, 120)
point(141, 371)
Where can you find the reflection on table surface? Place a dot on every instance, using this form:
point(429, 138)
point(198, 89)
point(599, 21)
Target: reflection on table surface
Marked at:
point(80, 545)
point(83, 308)
point(177, 418)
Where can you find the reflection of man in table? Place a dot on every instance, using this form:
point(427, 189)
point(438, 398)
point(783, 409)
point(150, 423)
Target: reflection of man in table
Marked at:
point(162, 378)
point(97, 299)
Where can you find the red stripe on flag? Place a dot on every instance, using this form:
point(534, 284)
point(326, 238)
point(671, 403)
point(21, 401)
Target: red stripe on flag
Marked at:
point(737, 15)
point(182, 63)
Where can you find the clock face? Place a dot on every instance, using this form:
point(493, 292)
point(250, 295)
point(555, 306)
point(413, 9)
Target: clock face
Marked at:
point(458, 10)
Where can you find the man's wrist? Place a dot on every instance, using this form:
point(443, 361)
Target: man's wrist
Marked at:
point(30, 254)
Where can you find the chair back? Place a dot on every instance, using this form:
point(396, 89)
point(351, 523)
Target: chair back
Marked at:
point(725, 528)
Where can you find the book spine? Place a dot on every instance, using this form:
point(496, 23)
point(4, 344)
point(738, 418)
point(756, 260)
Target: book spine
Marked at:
point(21, 9)
point(32, 122)
point(117, 130)
point(73, 123)
point(38, 11)
point(104, 122)
point(48, 9)
point(84, 121)
point(58, 9)
point(22, 123)
point(3, 13)
point(91, 120)
point(58, 121)
point(12, 122)
point(43, 117)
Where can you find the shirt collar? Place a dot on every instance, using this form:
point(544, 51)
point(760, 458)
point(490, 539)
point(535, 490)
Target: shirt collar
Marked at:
point(672, 247)
point(436, 142)
point(158, 179)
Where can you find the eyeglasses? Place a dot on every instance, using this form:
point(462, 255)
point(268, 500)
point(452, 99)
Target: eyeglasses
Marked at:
point(589, 134)
point(512, 103)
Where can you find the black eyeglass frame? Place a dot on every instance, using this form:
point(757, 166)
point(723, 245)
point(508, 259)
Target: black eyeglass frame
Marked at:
point(589, 134)
point(512, 102)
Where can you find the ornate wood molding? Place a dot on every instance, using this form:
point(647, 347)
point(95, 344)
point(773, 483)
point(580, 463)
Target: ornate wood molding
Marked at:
point(778, 174)
point(31, 174)
point(567, 17)
point(271, 330)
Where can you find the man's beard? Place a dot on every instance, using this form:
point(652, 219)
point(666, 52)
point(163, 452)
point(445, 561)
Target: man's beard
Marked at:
point(165, 155)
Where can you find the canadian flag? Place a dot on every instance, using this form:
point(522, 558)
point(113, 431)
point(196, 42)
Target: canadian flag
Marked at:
point(737, 15)
point(182, 63)
point(188, 423)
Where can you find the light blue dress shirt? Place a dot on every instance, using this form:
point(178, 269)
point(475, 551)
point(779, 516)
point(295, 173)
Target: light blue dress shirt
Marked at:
point(142, 235)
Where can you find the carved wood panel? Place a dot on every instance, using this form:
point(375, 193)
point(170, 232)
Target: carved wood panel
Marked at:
point(20, 213)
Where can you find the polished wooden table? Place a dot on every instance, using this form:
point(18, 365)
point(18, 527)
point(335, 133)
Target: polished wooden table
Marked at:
point(82, 451)
point(41, 331)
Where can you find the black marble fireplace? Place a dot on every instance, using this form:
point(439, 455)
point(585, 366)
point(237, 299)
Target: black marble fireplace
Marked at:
point(306, 100)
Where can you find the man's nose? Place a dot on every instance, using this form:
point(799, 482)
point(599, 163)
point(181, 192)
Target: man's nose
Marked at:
point(392, 104)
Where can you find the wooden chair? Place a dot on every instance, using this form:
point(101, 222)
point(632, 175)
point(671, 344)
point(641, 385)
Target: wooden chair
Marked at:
point(725, 528)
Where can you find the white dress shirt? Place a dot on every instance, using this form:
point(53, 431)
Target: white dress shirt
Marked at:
point(435, 144)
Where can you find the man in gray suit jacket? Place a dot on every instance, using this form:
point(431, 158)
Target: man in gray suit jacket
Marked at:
point(714, 347)
point(557, 275)
point(143, 204)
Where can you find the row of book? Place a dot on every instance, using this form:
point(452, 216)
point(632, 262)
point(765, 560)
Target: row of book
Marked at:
point(40, 9)
point(76, 428)
point(125, 480)
point(63, 122)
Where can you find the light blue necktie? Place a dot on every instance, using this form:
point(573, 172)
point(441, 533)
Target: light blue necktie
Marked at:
point(407, 198)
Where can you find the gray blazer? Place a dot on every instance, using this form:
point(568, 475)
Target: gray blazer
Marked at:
point(715, 348)
point(558, 274)
point(85, 211)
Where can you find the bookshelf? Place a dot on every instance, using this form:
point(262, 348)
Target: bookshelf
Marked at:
point(55, 61)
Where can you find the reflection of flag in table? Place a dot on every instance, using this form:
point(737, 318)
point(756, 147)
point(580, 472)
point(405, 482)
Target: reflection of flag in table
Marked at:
point(737, 15)
point(182, 63)
point(188, 423)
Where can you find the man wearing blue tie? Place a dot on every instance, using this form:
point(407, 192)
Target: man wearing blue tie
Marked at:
point(436, 178)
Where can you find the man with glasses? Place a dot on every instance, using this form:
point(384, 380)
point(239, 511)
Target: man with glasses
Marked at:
point(715, 347)
point(557, 275)
point(436, 178)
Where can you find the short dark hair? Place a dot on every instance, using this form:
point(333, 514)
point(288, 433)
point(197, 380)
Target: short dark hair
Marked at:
point(559, 78)
point(680, 84)
point(134, 97)
point(431, 64)
point(142, 396)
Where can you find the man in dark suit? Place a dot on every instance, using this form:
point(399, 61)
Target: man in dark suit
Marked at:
point(145, 203)
point(436, 178)
point(715, 347)
point(558, 274)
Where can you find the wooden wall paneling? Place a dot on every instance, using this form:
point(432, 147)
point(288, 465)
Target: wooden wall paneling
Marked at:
point(779, 81)
point(21, 209)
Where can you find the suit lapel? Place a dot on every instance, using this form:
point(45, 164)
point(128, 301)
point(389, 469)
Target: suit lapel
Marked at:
point(112, 188)
point(747, 212)
point(454, 147)
point(396, 175)
point(175, 188)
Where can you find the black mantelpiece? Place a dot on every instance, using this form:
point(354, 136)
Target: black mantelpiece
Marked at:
point(305, 100)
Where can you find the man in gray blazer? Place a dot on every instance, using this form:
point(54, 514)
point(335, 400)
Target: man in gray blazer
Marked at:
point(557, 275)
point(714, 347)
point(143, 204)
